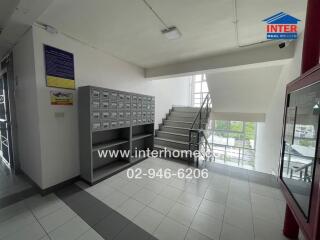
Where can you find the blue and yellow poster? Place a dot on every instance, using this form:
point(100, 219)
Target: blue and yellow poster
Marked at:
point(59, 68)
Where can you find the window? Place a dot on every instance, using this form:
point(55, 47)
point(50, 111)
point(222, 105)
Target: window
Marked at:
point(199, 89)
point(233, 142)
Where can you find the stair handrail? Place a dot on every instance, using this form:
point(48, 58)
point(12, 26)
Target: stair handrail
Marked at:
point(206, 102)
point(202, 114)
point(207, 145)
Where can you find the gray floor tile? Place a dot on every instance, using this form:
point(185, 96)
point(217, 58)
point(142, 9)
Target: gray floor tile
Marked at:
point(17, 222)
point(230, 232)
point(194, 235)
point(162, 204)
point(265, 230)
point(42, 206)
point(148, 219)
point(71, 230)
point(79, 203)
point(132, 231)
point(235, 202)
point(198, 189)
point(216, 196)
point(169, 229)
point(115, 200)
point(145, 196)
point(182, 214)
point(239, 218)
point(130, 188)
point(155, 186)
point(206, 225)
point(190, 200)
point(101, 191)
point(215, 210)
point(56, 219)
point(90, 235)
point(111, 226)
point(12, 210)
point(31, 231)
point(171, 192)
point(130, 208)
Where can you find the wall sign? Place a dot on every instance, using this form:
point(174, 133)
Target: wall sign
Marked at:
point(59, 66)
point(61, 98)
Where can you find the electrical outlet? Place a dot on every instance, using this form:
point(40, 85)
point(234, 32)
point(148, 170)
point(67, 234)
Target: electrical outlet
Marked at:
point(59, 114)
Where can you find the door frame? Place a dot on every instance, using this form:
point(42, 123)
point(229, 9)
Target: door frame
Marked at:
point(6, 66)
point(308, 226)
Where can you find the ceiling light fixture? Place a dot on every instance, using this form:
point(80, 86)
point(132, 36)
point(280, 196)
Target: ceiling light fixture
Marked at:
point(48, 28)
point(170, 32)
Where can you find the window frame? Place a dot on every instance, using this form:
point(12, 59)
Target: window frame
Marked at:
point(202, 80)
point(226, 145)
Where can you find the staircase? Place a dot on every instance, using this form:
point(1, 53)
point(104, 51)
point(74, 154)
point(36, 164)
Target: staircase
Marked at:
point(173, 133)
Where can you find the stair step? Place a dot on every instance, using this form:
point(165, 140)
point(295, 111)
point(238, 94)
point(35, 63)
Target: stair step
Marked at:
point(179, 134)
point(173, 123)
point(174, 129)
point(173, 136)
point(170, 140)
point(181, 124)
point(183, 114)
point(164, 147)
point(181, 145)
point(160, 147)
point(185, 109)
point(182, 119)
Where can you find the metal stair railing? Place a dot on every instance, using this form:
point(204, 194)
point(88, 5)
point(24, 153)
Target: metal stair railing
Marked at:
point(196, 133)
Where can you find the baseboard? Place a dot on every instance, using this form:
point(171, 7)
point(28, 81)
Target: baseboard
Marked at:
point(58, 186)
point(53, 188)
point(17, 197)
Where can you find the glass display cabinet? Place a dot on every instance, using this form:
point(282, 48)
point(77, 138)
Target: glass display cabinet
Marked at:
point(300, 158)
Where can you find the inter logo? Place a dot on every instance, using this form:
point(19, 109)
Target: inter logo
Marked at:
point(282, 26)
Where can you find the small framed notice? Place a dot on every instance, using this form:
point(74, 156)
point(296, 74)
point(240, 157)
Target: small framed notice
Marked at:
point(59, 66)
point(61, 98)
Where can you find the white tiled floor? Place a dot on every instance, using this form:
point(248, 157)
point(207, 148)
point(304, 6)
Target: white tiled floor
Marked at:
point(11, 183)
point(218, 208)
point(42, 218)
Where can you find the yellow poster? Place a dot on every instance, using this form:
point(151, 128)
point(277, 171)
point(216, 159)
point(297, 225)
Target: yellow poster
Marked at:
point(61, 98)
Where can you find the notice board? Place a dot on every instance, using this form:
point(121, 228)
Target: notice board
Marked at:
point(61, 98)
point(59, 65)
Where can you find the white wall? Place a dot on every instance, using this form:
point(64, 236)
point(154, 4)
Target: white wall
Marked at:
point(57, 144)
point(26, 108)
point(269, 133)
point(245, 90)
point(244, 93)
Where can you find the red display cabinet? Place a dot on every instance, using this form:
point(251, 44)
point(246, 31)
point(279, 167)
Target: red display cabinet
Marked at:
point(300, 156)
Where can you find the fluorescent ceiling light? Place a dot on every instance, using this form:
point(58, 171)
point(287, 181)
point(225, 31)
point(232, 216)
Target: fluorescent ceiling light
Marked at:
point(171, 33)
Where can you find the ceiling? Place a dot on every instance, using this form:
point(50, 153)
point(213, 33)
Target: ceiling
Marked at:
point(245, 90)
point(16, 17)
point(128, 29)
point(6, 9)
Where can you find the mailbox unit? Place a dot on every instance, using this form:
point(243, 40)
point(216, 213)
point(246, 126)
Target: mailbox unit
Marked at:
point(112, 120)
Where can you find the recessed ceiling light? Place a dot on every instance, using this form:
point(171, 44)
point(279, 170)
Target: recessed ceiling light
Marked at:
point(171, 33)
